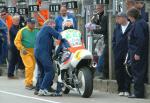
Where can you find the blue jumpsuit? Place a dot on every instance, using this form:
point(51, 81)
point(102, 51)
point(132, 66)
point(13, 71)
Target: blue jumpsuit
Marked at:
point(4, 47)
point(138, 44)
point(43, 55)
point(120, 49)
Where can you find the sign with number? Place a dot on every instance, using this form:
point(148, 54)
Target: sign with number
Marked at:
point(23, 11)
point(19, 1)
point(12, 9)
point(1, 8)
point(103, 1)
point(54, 7)
point(33, 8)
point(71, 4)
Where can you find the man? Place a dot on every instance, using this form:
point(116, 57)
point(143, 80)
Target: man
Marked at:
point(120, 48)
point(139, 4)
point(41, 16)
point(14, 53)
point(4, 38)
point(102, 21)
point(43, 55)
point(130, 4)
point(144, 15)
point(6, 17)
point(8, 22)
point(138, 51)
point(25, 41)
point(64, 16)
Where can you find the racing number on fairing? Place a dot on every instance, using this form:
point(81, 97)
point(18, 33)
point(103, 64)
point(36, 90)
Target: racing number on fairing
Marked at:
point(78, 55)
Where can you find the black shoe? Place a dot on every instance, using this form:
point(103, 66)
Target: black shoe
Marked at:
point(51, 90)
point(134, 96)
point(57, 94)
point(0, 72)
point(30, 87)
point(12, 77)
point(36, 92)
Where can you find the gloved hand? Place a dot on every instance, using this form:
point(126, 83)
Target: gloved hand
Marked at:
point(65, 43)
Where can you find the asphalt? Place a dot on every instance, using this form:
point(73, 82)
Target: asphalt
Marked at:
point(13, 91)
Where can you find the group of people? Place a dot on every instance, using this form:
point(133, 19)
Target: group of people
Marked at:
point(34, 46)
point(130, 44)
point(10, 25)
point(29, 46)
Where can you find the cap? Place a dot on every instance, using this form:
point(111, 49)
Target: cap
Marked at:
point(31, 20)
point(121, 14)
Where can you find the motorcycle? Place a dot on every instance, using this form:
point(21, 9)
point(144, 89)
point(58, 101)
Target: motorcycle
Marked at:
point(75, 71)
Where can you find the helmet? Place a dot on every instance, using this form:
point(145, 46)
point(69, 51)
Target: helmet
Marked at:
point(68, 24)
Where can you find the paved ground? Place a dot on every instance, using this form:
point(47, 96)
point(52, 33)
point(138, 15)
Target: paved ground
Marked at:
point(12, 91)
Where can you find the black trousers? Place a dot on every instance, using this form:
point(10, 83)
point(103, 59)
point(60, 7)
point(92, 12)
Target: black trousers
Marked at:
point(138, 72)
point(123, 80)
point(14, 60)
point(105, 70)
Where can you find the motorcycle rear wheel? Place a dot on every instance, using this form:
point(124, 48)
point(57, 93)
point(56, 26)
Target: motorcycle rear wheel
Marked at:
point(85, 82)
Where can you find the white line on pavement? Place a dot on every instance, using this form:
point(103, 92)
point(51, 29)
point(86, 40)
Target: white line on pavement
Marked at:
point(29, 97)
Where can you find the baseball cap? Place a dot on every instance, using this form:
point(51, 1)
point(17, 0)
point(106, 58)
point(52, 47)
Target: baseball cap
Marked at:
point(31, 20)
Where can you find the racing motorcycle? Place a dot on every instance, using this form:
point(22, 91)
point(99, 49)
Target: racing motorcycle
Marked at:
point(75, 71)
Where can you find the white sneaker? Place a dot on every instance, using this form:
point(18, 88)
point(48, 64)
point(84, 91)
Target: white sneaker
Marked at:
point(121, 94)
point(44, 92)
point(126, 94)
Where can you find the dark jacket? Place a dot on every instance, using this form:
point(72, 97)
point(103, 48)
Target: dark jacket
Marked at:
point(120, 41)
point(138, 38)
point(144, 14)
point(22, 22)
point(102, 21)
point(12, 34)
point(3, 29)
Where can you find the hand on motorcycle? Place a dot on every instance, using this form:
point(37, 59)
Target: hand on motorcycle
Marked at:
point(65, 43)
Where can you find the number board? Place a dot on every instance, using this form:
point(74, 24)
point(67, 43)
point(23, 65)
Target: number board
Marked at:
point(33, 8)
point(103, 1)
point(12, 9)
point(71, 4)
point(54, 7)
point(23, 11)
point(1, 8)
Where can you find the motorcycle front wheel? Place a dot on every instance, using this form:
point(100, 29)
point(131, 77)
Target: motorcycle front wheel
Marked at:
point(65, 89)
point(85, 82)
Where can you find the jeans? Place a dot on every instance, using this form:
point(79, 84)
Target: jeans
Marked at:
point(46, 71)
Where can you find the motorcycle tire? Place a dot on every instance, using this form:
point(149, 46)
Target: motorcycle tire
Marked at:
point(85, 74)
